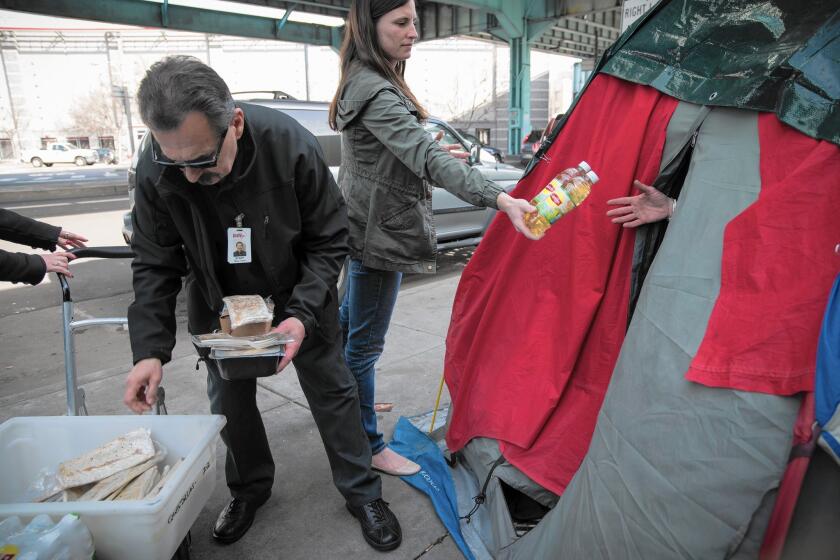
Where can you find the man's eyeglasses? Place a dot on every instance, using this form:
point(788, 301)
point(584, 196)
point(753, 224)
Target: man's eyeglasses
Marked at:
point(202, 162)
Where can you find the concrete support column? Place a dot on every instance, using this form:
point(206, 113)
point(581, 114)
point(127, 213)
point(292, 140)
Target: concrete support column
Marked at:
point(114, 79)
point(13, 79)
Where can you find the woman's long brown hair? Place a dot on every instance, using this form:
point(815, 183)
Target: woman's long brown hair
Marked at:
point(360, 44)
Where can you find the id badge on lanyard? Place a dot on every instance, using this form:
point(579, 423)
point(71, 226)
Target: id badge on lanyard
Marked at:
point(239, 243)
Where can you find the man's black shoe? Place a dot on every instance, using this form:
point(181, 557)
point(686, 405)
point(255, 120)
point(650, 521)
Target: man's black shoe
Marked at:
point(234, 521)
point(379, 524)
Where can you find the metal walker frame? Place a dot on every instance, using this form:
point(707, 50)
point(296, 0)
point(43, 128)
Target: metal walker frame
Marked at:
point(76, 405)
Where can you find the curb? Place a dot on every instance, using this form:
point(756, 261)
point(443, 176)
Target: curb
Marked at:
point(59, 193)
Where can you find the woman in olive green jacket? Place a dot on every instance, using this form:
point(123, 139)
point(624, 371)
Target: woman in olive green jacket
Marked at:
point(388, 165)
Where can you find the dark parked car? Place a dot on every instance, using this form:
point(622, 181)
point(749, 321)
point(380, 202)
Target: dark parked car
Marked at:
point(457, 223)
point(106, 155)
point(496, 153)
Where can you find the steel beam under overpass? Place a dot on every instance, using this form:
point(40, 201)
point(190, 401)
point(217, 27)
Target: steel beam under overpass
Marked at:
point(172, 16)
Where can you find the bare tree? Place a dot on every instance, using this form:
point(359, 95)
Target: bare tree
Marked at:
point(8, 130)
point(468, 104)
point(95, 114)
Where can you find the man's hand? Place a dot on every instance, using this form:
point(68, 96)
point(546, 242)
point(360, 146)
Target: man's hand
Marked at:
point(68, 240)
point(58, 262)
point(650, 206)
point(141, 385)
point(294, 328)
point(516, 208)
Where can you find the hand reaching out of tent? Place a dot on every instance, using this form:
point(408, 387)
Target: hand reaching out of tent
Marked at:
point(650, 206)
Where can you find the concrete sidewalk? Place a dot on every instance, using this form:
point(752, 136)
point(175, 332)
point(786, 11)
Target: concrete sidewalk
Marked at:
point(305, 517)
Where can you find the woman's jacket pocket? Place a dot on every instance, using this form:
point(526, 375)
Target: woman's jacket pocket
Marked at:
point(401, 212)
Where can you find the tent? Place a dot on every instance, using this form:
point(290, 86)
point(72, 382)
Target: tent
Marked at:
point(634, 394)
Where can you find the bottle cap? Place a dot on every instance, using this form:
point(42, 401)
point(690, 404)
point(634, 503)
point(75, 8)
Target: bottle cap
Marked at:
point(592, 176)
point(585, 166)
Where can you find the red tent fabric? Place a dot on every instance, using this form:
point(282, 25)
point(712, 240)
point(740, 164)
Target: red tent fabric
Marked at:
point(537, 326)
point(778, 267)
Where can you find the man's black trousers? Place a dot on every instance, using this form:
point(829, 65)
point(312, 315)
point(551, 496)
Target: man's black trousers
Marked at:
point(333, 398)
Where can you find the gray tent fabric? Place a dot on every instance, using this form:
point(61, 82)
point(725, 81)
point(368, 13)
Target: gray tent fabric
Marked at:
point(676, 469)
point(682, 126)
point(492, 520)
point(485, 452)
point(748, 547)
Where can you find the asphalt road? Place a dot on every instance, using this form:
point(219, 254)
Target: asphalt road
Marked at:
point(30, 316)
point(61, 176)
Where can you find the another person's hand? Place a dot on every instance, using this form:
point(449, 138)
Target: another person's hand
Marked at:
point(650, 206)
point(69, 240)
point(141, 385)
point(455, 150)
point(294, 328)
point(516, 208)
point(58, 262)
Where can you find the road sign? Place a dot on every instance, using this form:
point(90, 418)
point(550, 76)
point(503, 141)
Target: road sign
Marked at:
point(632, 10)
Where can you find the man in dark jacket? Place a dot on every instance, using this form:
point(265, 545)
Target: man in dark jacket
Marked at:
point(31, 269)
point(217, 173)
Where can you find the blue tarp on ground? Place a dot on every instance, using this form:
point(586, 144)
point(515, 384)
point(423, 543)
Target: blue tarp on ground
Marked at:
point(433, 479)
point(827, 384)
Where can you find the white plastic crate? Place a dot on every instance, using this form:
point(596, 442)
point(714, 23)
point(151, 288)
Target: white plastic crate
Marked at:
point(122, 530)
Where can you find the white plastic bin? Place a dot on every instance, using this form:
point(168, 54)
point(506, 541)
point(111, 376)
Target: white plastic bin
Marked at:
point(122, 530)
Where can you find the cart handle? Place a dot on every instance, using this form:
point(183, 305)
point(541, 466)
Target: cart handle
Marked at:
point(111, 252)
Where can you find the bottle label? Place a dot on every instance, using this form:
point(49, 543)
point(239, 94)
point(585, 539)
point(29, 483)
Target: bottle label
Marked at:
point(547, 191)
point(555, 204)
point(9, 552)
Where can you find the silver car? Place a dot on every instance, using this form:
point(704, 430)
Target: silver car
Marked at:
point(458, 223)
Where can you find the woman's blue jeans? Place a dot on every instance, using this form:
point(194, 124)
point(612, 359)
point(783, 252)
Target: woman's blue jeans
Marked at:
point(365, 314)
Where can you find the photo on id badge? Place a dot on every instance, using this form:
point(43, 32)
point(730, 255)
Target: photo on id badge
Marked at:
point(239, 245)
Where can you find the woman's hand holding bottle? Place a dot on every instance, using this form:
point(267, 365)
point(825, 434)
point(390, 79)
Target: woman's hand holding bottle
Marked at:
point(516, 208)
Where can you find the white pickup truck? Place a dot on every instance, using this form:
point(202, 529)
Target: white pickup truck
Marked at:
point(60, 153)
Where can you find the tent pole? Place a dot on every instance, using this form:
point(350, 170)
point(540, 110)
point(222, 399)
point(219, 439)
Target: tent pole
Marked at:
point(437, 403)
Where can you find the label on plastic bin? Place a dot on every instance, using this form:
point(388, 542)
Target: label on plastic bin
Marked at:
point(9, 552)
point(186, 494)
point(555, 205)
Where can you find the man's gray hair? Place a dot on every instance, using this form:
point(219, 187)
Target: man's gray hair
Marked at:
point(178, 85)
